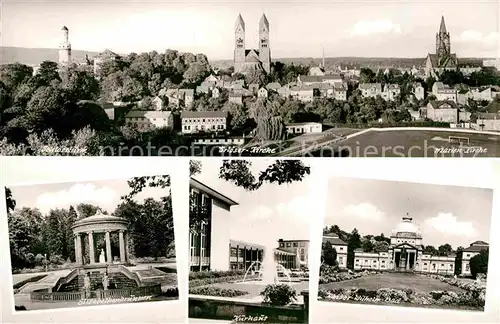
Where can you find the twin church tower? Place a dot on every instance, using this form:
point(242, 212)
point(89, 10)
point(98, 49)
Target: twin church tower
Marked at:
point(248, 60)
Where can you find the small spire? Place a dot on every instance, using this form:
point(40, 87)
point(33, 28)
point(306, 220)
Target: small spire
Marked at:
point(264, 22)
point(64, 28)
point(240, 22)
point(442, 27)
point(323, 56)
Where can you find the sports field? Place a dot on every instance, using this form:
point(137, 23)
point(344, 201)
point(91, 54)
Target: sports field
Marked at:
point(413, 143)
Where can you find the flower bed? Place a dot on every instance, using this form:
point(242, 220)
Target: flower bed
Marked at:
point(217, 292)
point(399, 296)
point(328, 277)
point(214, 274)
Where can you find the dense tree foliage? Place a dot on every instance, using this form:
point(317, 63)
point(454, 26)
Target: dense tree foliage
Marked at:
point(479, 263)
point(37, 239)
point(328, 254)
point(58, 102)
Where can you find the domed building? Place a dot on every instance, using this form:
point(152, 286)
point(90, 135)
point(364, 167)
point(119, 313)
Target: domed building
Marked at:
point(405, 253)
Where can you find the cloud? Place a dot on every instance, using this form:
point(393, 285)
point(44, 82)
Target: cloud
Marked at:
point(78, 193)
point(446, 223)
point(261, 212)
point(365, 211)
point(299, 208)
point(475, 37)
point(363, 28)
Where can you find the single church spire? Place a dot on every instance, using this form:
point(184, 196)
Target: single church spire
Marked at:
point(442, 27)
point(264, 22)
point(240, 22)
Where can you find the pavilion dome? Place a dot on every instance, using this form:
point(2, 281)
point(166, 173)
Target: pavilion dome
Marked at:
point(407, 227)
point(99, 217)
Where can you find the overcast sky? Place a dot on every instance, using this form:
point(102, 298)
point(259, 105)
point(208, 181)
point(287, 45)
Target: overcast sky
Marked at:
point(297, 28)
point(105, 194)
point(265, 215)
point(444, 214)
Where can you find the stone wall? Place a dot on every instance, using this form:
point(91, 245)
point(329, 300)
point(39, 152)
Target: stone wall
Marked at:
point(228, 309)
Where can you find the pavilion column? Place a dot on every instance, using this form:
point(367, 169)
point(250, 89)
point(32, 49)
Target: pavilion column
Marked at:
point(91, 247)
point(78, 249)
point(109, 257)
point(407, 261)
point(122, 247)
point(127, 245)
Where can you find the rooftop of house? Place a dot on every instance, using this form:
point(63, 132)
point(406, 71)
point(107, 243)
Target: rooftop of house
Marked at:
point(204, 114)
point(443, 104)
point(148, 114)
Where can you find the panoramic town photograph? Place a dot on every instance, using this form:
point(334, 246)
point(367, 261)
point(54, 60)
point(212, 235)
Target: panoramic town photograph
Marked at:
point(398, 79)
point(405, 244)
point(91, 243)
point(249, 241)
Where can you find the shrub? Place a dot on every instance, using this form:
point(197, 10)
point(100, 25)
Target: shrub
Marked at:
point(217, 292)
point(56, 259)
point(279, 295)
point(170, 292)
point(479, 263)
point(322, 294)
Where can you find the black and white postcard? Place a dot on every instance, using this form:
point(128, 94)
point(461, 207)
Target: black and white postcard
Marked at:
point(250, 78)
point(249, 240)
point(397, 243)
point(80, 244)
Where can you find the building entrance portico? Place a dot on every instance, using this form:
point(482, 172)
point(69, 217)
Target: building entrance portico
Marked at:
point(94, 227)
point(404, 257)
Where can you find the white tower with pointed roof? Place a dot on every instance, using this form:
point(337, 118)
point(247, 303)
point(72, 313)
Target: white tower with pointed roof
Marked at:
point(65, 47)
point(239, 42)
point(264, 49)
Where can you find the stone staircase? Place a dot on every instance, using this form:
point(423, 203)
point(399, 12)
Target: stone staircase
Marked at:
point(47, 283)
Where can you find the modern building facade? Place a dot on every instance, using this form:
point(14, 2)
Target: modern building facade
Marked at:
point(205, 253)
point(299, 249)
point(223, 253)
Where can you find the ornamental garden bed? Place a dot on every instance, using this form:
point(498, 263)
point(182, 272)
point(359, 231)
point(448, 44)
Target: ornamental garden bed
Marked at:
point(471, 300)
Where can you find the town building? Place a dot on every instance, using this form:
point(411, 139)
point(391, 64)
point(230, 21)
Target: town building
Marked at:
point(340, 92)
point(303, 93)
point(178, 97)
point(488, 121)
point(495, 63)
point(468, 253)
point(248, 60)
point(273, 86)
point(441, 111)
point(443, 59)
point(340, 247)
point(444, 92)
point(304, 128)
point(203, 121)
point(370, 90)
point(404, 253)
point(106, 56)
point(262, 93)
point(486, 93)
point(65, 47)
point(418, 91)
point(391, 92)
point(299, 249)
point(236, 98)
point(146, 121)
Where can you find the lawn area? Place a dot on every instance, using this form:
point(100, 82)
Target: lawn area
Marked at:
point(408, 143)
point(396, 281)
